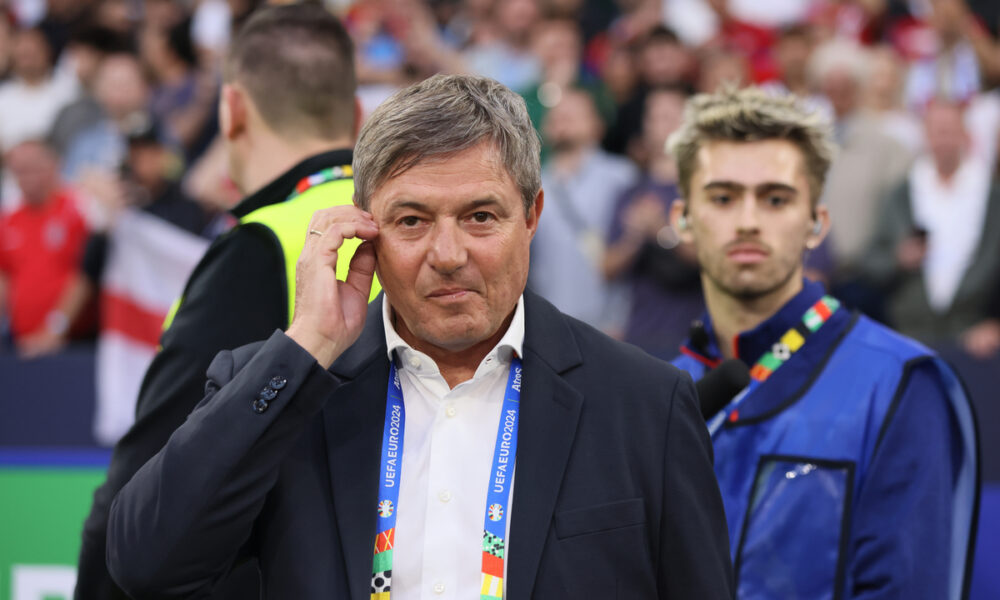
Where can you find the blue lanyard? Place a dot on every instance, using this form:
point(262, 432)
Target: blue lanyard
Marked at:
point(497, 498)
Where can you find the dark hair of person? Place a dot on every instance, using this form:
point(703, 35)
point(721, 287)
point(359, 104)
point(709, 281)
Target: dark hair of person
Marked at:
point(180, 43)
point(297, 64)
point(102, 39)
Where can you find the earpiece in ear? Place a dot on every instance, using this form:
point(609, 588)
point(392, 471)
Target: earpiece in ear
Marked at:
point(682, 222)
point(817, 227)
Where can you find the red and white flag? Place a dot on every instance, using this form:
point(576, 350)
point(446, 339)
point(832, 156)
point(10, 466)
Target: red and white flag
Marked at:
point(148, 263)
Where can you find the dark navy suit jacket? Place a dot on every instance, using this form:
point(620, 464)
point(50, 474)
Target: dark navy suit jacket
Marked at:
point(615, 494)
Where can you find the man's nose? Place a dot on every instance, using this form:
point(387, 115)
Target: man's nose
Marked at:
point(748, 218)
point(447, 250)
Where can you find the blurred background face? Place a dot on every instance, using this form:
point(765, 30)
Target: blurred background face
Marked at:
point(662, 62)
point(722, 68)
point(148, 163)
point(558, 45)
point(31, 55)
point(841, 89)
point(573, 123)
point(947, 138)
point(885, 80)
point(516, 17)
point(663, 115)
point(36, 170)
point(154, 49)
point(793, 52)
point(120, 86)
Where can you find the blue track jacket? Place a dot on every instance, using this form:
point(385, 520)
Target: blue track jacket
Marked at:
point(851, 472)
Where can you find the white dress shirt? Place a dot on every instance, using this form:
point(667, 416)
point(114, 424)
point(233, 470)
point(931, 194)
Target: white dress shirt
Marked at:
point(448, 448)
point(952, 213)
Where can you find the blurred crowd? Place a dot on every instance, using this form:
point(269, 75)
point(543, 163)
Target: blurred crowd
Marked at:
point(113, 180)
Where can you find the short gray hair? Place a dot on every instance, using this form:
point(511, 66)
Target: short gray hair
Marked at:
point(751, 115)
point(441, 116)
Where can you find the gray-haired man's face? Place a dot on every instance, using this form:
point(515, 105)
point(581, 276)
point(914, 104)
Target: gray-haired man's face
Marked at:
point(453, 248)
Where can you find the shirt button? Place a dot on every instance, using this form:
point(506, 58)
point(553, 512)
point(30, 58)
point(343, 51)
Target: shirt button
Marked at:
point(439, 588)
point(444, 496)
point(414, 362)
point(450, 411)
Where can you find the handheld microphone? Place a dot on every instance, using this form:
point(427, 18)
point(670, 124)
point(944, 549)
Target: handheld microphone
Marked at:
point(720, 385)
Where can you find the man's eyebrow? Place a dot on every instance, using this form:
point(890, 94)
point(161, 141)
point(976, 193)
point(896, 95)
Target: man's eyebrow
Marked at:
point(775, 186)
point(759, 189)
point(724, 184)
point(407, 204)
point(487, 201)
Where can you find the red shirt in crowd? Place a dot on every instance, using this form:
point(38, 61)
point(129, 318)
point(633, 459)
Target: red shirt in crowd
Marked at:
point(40, 249)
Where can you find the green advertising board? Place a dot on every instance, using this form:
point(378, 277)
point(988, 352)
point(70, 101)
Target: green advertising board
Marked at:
point(44, 498)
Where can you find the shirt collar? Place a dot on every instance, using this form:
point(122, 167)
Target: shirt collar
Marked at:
point(282, 187)
point(510, 344)
point(751, 345)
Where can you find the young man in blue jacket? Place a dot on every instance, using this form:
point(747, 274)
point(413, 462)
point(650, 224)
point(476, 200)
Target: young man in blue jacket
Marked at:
point(848, 467)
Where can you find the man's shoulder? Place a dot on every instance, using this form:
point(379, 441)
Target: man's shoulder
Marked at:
point(872, 337)
point(622, 362)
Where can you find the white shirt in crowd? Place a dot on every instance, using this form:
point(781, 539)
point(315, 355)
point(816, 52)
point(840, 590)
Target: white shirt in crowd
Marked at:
point(952, 213)
point(448, 445)
point(29, 111)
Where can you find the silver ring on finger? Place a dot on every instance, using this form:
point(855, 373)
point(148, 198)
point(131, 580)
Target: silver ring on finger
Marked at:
point(315, 232)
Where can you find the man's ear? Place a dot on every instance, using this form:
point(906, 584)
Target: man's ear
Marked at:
point(535, 213)
point(232, 111)
point(680, 221)
point(820, 228)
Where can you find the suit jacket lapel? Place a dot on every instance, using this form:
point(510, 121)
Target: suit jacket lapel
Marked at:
point(353, 421)
point(550, 410)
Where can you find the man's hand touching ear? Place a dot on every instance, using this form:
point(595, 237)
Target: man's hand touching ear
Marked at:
point(330, 314)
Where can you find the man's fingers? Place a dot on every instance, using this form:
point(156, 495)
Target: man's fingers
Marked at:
point(362, 269)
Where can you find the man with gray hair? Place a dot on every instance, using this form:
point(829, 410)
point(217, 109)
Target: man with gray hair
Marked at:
point(848, 466)
point(383, 450)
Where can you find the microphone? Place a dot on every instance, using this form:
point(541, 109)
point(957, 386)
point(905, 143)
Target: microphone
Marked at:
point(720, 385)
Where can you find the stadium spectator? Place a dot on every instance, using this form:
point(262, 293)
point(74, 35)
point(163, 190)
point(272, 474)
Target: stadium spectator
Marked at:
point(558, 43)
point(581, 184)
point(720, 68)
point(86, 51)
point(932, 256)
point(503, 50)
point(882, 98)
point(952, 69)
point(644, 251)
point(868, 165)
point(31, 100)
point(122, 95)
point(41, 243)
point(183, 99)
point(660, 60)
point(753, 42)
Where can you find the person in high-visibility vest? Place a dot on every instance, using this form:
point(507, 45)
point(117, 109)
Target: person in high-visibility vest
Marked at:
point(288, 119)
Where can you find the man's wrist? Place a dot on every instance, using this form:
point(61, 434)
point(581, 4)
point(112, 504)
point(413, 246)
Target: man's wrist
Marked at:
point(321, 348)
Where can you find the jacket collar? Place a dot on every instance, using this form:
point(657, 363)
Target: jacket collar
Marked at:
point(550, 409)
point(749, 346)
point(282, 187)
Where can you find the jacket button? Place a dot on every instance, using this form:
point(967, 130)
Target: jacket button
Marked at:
point(267, 394)
point(259, 405)
point(277, 382)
